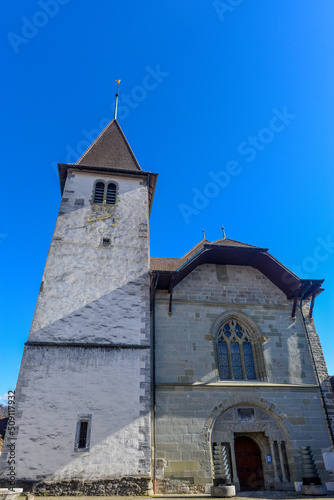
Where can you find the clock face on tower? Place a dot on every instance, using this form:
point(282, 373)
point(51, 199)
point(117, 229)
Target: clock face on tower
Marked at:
point(102, 218)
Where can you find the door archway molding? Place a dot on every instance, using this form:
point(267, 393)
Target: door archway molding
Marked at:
point(225, 422)
point(275, 412)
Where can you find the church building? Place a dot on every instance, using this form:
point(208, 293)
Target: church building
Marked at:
point(166, 375)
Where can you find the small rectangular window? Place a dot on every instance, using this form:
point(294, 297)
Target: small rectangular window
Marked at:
point(83, 434)
point(106, 242)
point(246, 414)
point(82, 438)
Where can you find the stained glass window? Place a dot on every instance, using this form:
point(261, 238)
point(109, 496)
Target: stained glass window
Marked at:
point(236, 361)
point(238, 331)
point(235, 355)
point(224, 370)
point(227, 332)
point(249, 361)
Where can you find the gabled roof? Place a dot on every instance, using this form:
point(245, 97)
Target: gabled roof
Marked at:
point(110, 149)
point(169, 271)
point(226, 242)
point(172, 264)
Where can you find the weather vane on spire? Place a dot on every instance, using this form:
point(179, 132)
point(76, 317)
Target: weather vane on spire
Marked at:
point(116, 102)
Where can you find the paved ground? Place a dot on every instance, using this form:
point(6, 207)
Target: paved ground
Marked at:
point(261, 495)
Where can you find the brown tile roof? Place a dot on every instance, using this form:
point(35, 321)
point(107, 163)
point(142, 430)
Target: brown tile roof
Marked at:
point(110, 149)
point(164, 264)
point(170, 272)
point(194, 250)
point(232, 243)
point(171, 264)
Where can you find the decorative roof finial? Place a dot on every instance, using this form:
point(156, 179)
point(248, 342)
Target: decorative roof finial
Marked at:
point(116, 102)
point(224, 236)
point(203, 231)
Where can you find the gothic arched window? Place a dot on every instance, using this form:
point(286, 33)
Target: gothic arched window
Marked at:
point(235, 353)
point(105, 194)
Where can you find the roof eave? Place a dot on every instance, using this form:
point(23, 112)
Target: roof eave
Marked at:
point(255, 257)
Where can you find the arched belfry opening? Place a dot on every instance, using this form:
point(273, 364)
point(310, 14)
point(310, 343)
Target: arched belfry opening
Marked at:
point(253, 448)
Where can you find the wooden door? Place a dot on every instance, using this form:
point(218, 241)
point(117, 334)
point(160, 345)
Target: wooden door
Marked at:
point(249, 464)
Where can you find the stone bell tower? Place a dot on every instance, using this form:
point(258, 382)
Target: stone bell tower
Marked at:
point(84, 385)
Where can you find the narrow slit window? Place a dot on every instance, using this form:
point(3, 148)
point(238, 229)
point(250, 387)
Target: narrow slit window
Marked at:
point(99, 192)
point(83, 434)
point(83, 431)
point(111, 194)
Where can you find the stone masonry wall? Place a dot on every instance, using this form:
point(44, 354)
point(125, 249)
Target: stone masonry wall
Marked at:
point(187, 333)
point(94, 295)
point(232, 284)
point(320, 365)
point(56, 386)
point(81, 275)
point(184, 414)
point(186, 357)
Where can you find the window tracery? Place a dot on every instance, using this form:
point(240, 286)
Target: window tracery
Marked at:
point(235, 353)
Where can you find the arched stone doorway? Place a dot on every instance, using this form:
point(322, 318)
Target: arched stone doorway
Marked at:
point(249, 463)
point(271, 447)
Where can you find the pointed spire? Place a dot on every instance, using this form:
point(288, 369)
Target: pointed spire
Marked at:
point(110, 149)
point(116, 101)
point(203, 231)
point(224, 236)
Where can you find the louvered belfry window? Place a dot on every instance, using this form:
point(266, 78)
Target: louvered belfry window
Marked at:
point(235, 354)
point(99, 192)
point(105, 194)
point(111, 194)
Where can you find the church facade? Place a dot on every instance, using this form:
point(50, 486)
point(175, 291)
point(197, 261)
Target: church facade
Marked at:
point(157, 374)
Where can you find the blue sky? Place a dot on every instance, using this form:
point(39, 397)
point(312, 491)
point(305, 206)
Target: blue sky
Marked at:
point(230, 101)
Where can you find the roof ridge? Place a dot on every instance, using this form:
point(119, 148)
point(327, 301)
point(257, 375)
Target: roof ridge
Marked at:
point(128, 145)
point(203, 242)
point(234, 241)
point(174, 258)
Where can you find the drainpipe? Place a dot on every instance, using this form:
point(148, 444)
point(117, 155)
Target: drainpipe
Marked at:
point(153, 391)
point(315, 366)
